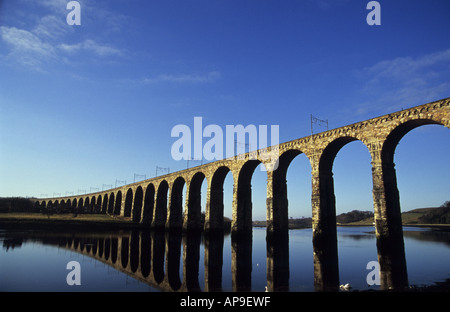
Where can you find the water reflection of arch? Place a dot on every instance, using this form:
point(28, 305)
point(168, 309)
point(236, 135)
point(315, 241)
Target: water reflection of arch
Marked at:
point(156, 258)
point(150, 257)
point(107, 248)
point(134, 251)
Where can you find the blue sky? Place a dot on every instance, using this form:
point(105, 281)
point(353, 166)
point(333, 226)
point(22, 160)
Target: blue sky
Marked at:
point(82, 106)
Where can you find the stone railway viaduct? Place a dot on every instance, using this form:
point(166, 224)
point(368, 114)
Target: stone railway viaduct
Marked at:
point(158, 201)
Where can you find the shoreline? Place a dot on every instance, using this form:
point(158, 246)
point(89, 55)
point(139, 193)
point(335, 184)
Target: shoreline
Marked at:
point(443, 227)
point(25, 219)
point(58, 221)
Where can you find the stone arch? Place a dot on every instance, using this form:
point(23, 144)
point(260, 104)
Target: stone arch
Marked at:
point(330, 151)
point(242, 208)
point(390, 244)
point(74, 205)
point(215, 208)
point(193, 214)
point(105, 203)
point(61, 205)
point(68, 205)
point(98, 205)
point(50, 205)
point(92, 204)
point(128, 203)
point(390, 152)
point(80, 205)
point(421, 148)
point(325, 178)
point(324, 214)
point(394, 137)
point(277, 199)
point(137, 204)
point(149, 203)
point(160, 216)
point(118, 203)
point(55, 206)
point(385, 191)
point(111, 203)
point(175, 219)
point(86, 206)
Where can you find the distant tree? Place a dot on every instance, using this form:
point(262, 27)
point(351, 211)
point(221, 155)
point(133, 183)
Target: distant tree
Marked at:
point(16, 204)
point(439, 215)
point(353, 216)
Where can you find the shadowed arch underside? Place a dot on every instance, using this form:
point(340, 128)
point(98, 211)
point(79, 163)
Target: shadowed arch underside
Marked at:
point(175, 219)
point(193, 216)
point(215, 204)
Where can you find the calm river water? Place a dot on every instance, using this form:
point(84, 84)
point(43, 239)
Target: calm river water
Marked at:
point(142, 261)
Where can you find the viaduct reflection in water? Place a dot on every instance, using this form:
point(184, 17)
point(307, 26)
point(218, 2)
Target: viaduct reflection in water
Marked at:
point(170, 261)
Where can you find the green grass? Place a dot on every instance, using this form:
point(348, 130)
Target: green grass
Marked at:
point(69, 216)
point(410, 217)
point(26, 218)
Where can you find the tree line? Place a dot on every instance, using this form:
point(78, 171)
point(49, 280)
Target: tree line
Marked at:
point(16, 204)
point(440, 215)
point(353, 216)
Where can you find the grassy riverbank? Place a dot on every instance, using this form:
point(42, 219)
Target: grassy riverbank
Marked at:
point(433, 217)
point(65, 220)
point(23, 219)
